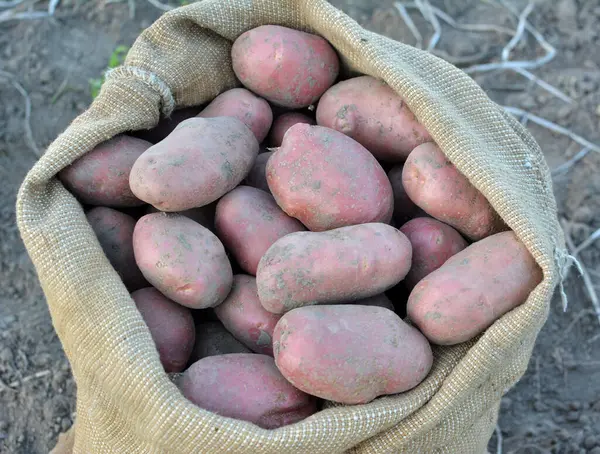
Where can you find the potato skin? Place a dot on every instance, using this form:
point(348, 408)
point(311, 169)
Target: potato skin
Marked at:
point(350, 354)
point(473, 289)
point(404, 208)
point(183, 260)
point(243, 316)
point(101, 177)
point(327, 180)
point(288, 67)
point(435, 185)
point(433, 242)
point(247, 387)
point(114, 231)
point(284, 122)
point(244, 105)
point(373, 114)
point(257, 177)
point(171, 326)
point(340, 265)
point(213, 339)
point(248, 221)
point(200, 161)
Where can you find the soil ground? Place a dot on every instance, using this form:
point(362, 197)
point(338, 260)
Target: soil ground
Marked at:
point(555, 408)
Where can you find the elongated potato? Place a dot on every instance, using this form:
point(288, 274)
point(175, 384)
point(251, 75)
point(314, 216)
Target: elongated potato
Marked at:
point(257, 177)
point(473, 289)
point(340, 265)
point(205, 215)
point(327, 180)
point(213, 339)
point(115, 234)
point(248, 221)
point(288, 67)
point(284, 122)
point(247, 387)
point(243, 316)
point(435, 185)
point(374, 115)
point(200, 161)
point(404, 208)
point(171, 326)
point(101, 177)
point(433, 242)
point(350, 354)
point(183, 260)
point(244, 105)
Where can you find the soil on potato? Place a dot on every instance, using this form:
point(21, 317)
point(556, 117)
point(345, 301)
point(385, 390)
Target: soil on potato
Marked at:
point(555, 408)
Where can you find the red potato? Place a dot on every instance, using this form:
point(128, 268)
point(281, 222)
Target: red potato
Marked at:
point(340, 265)
point(433, 242)
point(404, 208)
point(248, 221)
point(373, 114)
point(350, 354)
point(257, 177)
point(288, 67)
point(247, 387)
point(327, 180)
point(199, 162)
point(166, 125)
point(285, 122)
point(101, 177)
point(114, 231)
point(171, 326)
point(213, 339)
point(244, 105)
point(183, 260)
point(205, 215)
point(473, 289)
point(243, 316)
point(435, 185)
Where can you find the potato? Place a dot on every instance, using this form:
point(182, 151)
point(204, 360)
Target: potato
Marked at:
point(248, 222)
point(243, 316)
point(350, 354)
point(171, 326)
point(288, 67)
point(244, 105)
point(433, 242)
point(205, 215)
point(247, 387)
point(374, 115)
point(327, 180)
point(473, 289)
point(285, 122)
point(212, 339)
point(257, 177)
point(166, 125)
point(341, 265)
point(115, 234)
point(404, 208)
point(200, 161)
point(101, 177)
point(378, 300)
point(435, 185)
point(182, 259)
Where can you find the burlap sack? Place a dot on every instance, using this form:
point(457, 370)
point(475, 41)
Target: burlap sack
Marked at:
point(125, 402)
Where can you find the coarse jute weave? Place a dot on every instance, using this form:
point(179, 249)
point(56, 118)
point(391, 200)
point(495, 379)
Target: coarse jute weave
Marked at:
point(125, 402)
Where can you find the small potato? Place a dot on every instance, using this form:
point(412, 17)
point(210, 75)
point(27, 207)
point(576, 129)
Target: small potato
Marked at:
point(166, 125)
point(247, 387)
point(101, 177)
point(115, 234)
point(182, 259)
point(285, 122)
point(433, 242)
point(244, 105)
point(378, 300)
point(340, 265)
point(243, 316)
point(248, 221)
point(350, 354)
point(200, 161)
point(473, 289)
point(288, 67)
point(404, 208)
point(327, 180)
point(435, 185)
point(213, 339)
point(205, 215)
point(257, 177)
point(171, 326)
point(374, 115)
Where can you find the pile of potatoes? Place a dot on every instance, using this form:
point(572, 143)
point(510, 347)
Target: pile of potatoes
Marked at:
point(298, 239)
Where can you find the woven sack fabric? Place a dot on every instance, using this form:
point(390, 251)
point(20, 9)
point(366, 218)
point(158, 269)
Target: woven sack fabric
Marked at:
point(125, 402)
